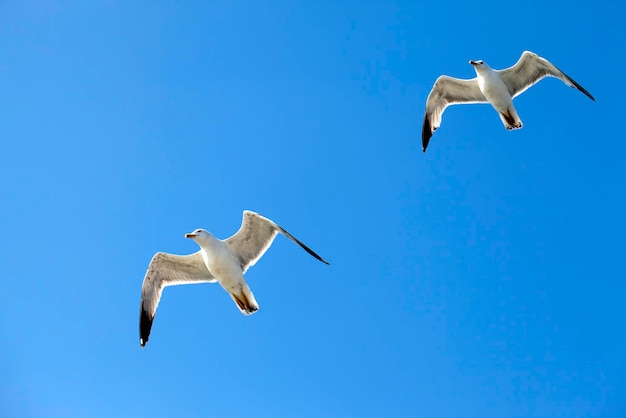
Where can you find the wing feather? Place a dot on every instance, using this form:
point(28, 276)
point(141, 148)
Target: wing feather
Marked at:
point(167, 270)
point(445, 92)
point(255, 236)
point(531, 68)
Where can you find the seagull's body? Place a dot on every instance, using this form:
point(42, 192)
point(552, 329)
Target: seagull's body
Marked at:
point(222, 261)
point(497, 87)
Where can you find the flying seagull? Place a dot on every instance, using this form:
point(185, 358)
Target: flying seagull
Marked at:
point(497, 87)
point(222, 261)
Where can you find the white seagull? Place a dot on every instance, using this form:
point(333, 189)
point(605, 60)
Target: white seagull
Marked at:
point(497, 87)
point(222, 261)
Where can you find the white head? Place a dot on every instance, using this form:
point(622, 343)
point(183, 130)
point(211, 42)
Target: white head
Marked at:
point(480, 66)
point(200, 236)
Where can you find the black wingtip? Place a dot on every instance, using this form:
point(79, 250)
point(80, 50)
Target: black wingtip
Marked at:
point(301, 244)
point(145, 325)
point(589, 95)
point(426, 133)
point(577, 86)
point(582, 90)
point(314, 254)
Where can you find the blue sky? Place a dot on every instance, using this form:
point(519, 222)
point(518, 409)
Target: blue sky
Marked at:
point(484, 278)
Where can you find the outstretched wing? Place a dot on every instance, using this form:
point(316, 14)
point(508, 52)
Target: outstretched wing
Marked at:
point(255, 236)
point(447, 91)
point(531, 68)
point(167, 270)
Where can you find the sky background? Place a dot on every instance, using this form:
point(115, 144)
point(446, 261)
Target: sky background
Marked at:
point(485, 278)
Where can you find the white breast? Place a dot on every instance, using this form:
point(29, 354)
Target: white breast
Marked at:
point(221, 262)
point(494, 89)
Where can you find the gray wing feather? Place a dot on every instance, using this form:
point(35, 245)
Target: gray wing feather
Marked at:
point(255, 236)
point(531, 68)
point(447, 91)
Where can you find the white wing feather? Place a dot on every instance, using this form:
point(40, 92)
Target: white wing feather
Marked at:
point(445, 92)
point(167, 270)
point(255, 236)
point(531, 68)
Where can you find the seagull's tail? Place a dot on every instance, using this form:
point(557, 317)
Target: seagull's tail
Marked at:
point(245, 300)
point(510, 119)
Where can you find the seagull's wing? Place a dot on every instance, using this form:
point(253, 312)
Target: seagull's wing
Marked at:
point(255, 236)
point(167, 270)
point(447, 91)
point(531, 68)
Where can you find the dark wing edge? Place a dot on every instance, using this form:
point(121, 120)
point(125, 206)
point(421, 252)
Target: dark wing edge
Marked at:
point(145, 325)
point(301, 244)
point(576, 85)
point(427, 132)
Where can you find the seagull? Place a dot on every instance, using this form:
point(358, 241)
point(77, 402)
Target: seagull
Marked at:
point(498, 87)
point(222, 261)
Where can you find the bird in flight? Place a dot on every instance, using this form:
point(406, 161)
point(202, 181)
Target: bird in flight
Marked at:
point(222, 261)
point(497, 87)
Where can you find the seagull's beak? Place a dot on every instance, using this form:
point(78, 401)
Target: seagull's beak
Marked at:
point(473, 62)
point(190, 235)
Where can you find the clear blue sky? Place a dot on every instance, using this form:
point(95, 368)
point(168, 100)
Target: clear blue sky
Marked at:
point(484, 278)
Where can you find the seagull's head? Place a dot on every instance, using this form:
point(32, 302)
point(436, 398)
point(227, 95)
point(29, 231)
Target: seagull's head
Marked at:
point(199, 235)
point(479, 65)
